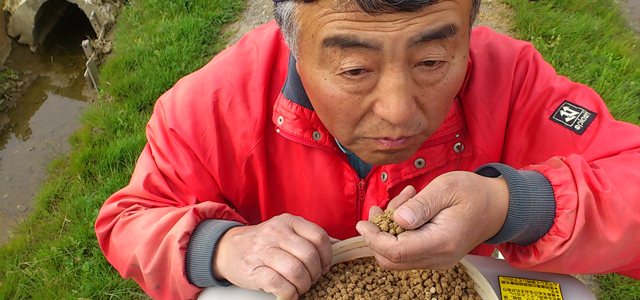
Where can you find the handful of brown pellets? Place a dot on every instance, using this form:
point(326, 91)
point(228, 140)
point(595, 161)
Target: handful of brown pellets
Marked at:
point(364, 279)
point(386, 223)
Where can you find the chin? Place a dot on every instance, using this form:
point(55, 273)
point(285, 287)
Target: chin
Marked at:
point(380, 159)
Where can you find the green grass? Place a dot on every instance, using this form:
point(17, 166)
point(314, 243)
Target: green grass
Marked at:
point(54, 254)
point(8, 84)
point(616, 287)
point(589, 42)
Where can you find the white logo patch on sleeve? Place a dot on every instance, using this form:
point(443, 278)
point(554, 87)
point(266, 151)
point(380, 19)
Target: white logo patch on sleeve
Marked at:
point(573, 116)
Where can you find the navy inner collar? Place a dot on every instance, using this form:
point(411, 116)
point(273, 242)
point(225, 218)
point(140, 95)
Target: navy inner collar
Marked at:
point(294, 92)
point(292, 88)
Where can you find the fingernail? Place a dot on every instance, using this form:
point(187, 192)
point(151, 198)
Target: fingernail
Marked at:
point(358, 228)
point(371, 212)
point(406, 214)
point(406, 189)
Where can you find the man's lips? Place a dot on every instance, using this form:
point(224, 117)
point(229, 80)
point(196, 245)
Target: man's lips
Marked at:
point(392, 143)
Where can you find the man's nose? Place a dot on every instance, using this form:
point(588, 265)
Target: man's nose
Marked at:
point(395, 97)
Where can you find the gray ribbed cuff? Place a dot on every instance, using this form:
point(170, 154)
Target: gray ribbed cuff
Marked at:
point(532, 204)
point(200, 252)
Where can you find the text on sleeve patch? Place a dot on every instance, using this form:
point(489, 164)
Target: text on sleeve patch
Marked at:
point(573, 116)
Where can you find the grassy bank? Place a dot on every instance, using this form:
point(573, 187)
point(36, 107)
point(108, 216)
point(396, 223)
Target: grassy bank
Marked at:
point(54, 255)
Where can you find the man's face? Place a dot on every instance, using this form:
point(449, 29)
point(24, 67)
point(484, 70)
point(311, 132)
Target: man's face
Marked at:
point(383, 84)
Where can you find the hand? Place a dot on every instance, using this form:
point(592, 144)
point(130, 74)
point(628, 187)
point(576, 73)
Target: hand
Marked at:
point(282, 256)
point(453, 214)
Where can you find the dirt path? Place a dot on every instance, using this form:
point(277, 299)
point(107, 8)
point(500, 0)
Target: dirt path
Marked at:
point(492, 14)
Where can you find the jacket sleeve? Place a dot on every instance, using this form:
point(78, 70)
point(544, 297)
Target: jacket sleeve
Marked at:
point(144, 229)
point(593, 169)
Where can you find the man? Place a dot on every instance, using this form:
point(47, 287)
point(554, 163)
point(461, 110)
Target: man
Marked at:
point(259, 161)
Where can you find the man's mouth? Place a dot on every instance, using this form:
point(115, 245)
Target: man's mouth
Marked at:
point(393, 143)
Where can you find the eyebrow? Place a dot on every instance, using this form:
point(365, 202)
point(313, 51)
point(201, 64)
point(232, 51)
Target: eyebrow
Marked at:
point(349, 41)
point(440, 33)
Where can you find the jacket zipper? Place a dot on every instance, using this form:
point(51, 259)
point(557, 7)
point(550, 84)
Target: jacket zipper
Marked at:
point(360, 193)
point(359, 203)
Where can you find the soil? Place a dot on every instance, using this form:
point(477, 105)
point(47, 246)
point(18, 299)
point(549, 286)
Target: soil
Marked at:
point(492, 13)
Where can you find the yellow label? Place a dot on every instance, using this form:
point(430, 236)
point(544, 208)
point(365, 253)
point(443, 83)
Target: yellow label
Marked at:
point(513, 288)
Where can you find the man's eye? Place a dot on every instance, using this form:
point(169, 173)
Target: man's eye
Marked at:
point(354, 72)
point(430, 63)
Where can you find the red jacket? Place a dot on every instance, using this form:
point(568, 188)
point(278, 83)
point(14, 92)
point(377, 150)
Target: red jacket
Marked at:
point(216, 149)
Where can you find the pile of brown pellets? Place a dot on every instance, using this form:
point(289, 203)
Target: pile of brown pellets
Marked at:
point(363, 279)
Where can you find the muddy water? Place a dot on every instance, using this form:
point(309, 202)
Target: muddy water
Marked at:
point(39, 126)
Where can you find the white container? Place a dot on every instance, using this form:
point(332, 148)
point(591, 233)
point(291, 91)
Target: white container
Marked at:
point(485, 271)
point(492, 269)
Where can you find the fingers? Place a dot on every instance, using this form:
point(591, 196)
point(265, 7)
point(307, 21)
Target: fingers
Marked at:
point(282, 256)
point(333, 240)
point(448, 218)
point(389, 251)
point(419, 209)
point(300, 258)
point(374, 211)
point(290, 268)
point(272, 282)
point(417, 249)
point(319, 248)
point(309, 262)
point(406, 194)
point(381, 243)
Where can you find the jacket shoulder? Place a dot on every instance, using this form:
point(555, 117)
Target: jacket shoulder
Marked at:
point(244, 77)
point(231, 96)
point(258, 59)
point(488, 46)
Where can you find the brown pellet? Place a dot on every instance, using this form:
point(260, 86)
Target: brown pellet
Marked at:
point(385, 222)
point(409, 284)
point(363, 279)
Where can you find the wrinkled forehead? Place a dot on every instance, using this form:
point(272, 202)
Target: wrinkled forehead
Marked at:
point(325, 26)
point(378, 6)
point(383, 11)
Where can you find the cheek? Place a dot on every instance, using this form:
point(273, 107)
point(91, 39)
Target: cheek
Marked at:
point(436, 100)
point(337, 110)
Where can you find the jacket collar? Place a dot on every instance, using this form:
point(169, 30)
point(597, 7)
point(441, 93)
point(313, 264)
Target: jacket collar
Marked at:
point(292, 88)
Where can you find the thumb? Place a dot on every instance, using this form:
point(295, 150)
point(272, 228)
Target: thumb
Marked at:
point(415, 212)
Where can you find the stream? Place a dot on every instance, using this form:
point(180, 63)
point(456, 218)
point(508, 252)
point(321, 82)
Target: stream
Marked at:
point(46, 114)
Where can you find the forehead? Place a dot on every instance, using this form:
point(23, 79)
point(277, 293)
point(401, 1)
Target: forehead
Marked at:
point(322, 17)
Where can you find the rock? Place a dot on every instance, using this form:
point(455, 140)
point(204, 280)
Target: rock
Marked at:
point(5, 41)
point(22, 208)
